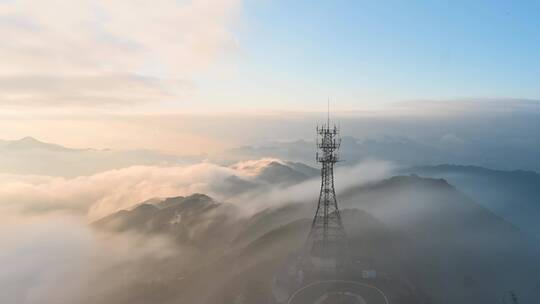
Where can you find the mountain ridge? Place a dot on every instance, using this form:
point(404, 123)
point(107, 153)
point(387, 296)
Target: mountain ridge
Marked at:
point(29, 155)
point(420, 229)
point(513, 195)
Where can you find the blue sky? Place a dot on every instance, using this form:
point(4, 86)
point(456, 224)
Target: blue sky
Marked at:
point(294, 52)
point(66, 63)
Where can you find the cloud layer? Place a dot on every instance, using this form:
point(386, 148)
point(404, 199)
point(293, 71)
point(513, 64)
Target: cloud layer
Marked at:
point(106, 192)
point(100, 194)
point(46, 241)
point(57, 259)
point(94, 52)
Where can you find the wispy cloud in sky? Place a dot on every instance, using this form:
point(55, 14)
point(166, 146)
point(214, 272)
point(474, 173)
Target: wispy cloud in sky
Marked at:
point(108, 52)
point(88, 90)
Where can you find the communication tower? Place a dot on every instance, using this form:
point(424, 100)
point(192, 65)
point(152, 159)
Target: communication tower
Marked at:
point(327, 242)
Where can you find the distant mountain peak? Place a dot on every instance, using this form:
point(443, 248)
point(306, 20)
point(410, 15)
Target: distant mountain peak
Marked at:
point(145, 208)
point(255, 167)
point(275, 171)
point(193, 200)
point(29, 142)
point(29, 139)
point(29, 155)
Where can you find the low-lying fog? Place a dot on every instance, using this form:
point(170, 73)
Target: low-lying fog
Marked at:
point(53, 255)
point(141, 234)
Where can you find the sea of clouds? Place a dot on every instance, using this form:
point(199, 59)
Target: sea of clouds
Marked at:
point(51, 254)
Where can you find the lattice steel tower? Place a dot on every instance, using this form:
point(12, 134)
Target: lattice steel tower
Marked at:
point(327, 239)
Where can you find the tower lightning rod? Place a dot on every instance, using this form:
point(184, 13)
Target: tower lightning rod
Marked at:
point(328, 115)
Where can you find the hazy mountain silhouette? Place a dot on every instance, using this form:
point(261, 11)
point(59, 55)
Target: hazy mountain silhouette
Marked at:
point(196, 220)
point(31, 156)
point(401, 150)
point(513, 195)
point(486, 150)
point(450, 236)
point(417, 230)
point(27, 143)
point(286, 173)
point(265, 174)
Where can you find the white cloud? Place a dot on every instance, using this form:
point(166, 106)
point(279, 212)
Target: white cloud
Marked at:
point(57, 259)
point(88, 90)
point(101, 194)
point(81, 47)
point(346, 177)
point(451, 141)
point(254, 167)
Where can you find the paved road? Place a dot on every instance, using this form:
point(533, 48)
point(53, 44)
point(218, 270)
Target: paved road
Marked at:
point(324, 292)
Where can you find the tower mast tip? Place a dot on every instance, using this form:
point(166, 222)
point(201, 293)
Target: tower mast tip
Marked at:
point(328, 115)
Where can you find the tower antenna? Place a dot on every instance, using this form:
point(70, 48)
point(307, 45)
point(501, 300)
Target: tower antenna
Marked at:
point(328, 115)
